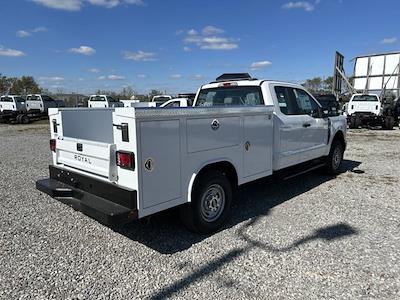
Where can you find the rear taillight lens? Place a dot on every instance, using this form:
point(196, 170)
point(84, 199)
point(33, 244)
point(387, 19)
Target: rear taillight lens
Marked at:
point(125, 160)
point(53, 145)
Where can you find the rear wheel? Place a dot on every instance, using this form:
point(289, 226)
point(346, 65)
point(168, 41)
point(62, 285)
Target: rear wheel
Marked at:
point(24, 119)
point(335, 158)
point(211, 203)
point(388, 123)
point(353, 123)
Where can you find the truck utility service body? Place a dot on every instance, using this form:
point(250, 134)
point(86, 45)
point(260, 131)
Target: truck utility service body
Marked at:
point(126, 163)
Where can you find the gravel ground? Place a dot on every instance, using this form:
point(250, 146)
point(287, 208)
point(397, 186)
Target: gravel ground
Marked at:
point(311, 237)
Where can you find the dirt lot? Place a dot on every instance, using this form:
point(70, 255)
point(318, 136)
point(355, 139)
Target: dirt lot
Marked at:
point(311, 237)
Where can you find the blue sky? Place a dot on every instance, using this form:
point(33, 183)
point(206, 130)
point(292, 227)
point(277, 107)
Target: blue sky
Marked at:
point(85, 45)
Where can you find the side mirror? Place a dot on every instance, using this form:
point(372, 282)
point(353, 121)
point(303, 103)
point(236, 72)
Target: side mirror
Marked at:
point(325, 113)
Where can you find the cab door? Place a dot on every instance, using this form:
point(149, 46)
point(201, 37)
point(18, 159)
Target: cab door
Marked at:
point(299, 135)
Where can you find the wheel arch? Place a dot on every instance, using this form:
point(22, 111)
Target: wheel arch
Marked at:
point(224, 166)
point(339, 136)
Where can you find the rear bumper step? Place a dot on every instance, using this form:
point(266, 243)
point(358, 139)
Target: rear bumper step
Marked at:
point(104, 202)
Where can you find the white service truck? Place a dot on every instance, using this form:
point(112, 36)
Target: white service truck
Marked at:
point(40, 104)
point(12, 104)
point(367, 110)
point(101, 101)
point(13, 108)
point(120, 164)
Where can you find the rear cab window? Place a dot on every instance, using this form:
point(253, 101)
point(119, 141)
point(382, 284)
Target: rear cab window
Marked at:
point(230, 96)
point(33, 98)
point(97, 98)
point(6, 99)
point(365, 98)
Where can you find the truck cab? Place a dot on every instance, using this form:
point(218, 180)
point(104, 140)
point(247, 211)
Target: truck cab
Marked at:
point(12, 104)
point(177, 102)
point(161, 99)
point(38, 103)
point(101, 101)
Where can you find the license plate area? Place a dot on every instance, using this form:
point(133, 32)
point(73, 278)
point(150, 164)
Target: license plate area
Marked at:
point(92, 157)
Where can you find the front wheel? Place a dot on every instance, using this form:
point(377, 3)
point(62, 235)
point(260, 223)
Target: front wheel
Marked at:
point(211, 203)
point(335, 158)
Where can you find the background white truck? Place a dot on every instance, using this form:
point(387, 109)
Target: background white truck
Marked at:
point(38, 103)
point(120, 164)
point(12, 104)
point(367, 110)
point(101, 101)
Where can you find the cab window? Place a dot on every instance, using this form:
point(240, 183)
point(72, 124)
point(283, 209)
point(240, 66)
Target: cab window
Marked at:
point(306, 104)
point(6, 99)
point(97, 98)
point(230, 96)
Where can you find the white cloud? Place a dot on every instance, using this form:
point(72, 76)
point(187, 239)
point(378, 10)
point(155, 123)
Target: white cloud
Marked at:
point(23, 33)
point(10, 52)
point(111, 77)
point(210, 30)
point(69, 5)
point(39, 29)
point(139, 56)
point(94, 70)
point(76, 5)
point(85, 50)
point(115, 77)
point(260, 65)
point(141, 76)
point(210, 39)
point(187, 49)
point(305, 5)
point(29, 32)
point(389, 40)
point(176, 76)
point(197, 77)
point(53, 78)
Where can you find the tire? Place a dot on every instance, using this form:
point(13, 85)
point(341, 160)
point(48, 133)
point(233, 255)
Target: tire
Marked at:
point(211, 203)
point(388, 123)
point(24, 119)
point(335, 158)
point(352, 124)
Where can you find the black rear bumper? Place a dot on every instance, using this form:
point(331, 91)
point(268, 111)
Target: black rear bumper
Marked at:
point(102, 201)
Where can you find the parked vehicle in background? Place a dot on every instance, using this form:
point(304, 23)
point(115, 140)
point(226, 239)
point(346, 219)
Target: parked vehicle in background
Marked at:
point(38, 103)
point(177, 102)
point(101, 101)
point(329, 103)
point(367, 110)
point(160, 99)
point(12, 104)
point(129, 103)
point(120, 164)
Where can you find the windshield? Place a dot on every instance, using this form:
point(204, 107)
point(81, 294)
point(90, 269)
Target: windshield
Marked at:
point(111, 99)
point(47, 98)
point(225, 96)
point(161, 99)
point(365, 98)
point(6, 99)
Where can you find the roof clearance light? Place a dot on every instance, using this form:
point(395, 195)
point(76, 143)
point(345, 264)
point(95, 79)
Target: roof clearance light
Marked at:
point(226, 84)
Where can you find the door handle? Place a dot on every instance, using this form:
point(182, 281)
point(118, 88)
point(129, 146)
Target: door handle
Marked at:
point(306, 125)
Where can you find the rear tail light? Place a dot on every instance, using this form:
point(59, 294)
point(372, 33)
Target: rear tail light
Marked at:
point(376, 107)
point(125, 160)
point(53, 145)
point(352, 107)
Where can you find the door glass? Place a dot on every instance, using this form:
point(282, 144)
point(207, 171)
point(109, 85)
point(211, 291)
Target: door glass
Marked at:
point(306, 104)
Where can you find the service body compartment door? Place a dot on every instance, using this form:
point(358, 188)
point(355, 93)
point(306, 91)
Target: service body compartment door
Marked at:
point(258, 136)
point(212, 133)
point(160, 163)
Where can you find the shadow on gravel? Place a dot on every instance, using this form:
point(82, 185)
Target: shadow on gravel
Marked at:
point(328, 233)
point(166, 234)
